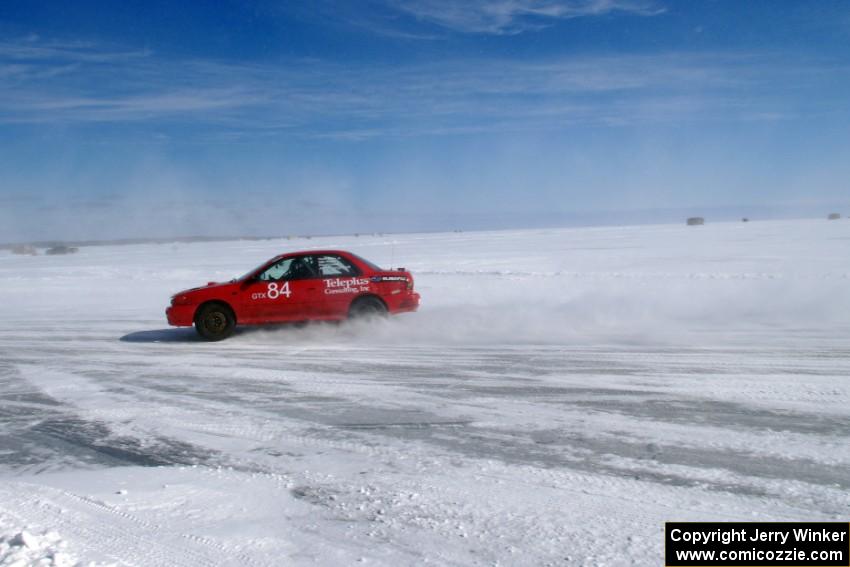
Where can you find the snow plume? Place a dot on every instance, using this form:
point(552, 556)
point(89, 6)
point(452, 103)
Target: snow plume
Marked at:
point(504, 311)
point(657, 284)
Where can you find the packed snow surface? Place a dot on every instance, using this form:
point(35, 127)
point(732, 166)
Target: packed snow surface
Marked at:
point(558, 397)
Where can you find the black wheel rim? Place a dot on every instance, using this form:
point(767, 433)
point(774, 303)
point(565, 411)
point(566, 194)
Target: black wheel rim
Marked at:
point(215, 322)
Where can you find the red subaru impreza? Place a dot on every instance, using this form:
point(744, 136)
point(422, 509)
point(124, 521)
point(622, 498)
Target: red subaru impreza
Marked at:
point(323, 285)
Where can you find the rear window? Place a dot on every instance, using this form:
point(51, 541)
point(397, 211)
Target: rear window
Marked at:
point(368, 263)
point(330, 266)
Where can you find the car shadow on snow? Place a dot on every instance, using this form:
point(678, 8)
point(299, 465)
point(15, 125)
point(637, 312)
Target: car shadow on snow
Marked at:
point(182, 335)
point(188, 334)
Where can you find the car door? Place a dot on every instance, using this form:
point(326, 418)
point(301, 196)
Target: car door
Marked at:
point(285, 291)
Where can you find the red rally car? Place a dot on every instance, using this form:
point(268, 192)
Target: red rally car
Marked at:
point(317, 285)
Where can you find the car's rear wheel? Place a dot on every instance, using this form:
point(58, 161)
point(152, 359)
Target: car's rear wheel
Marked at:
point(367, 308)
point(215, 321)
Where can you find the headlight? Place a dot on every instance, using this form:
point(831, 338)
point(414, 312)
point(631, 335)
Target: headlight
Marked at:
point(180, 300)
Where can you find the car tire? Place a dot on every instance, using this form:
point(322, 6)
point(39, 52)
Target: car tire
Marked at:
point(215, 321)
point(367, 308)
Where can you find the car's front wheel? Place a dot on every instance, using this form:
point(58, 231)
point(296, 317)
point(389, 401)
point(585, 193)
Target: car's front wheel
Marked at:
point(215, 321)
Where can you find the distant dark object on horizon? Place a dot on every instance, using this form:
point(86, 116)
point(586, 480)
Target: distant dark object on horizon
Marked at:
point(696, 221)
point(833, 216)
point(59, 250)
point(24, 250)
point(745, 219)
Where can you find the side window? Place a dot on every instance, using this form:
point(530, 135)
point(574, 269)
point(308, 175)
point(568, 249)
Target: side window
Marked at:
point(335, 266)
point(299, 268)
point(276, 271)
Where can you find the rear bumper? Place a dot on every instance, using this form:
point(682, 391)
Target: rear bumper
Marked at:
point(405, 303)
point(180, 315)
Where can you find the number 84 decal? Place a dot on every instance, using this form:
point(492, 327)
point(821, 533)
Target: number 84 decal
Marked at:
point(274, 291)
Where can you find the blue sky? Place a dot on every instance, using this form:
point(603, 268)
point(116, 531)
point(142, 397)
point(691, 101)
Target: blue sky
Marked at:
point(149, 118)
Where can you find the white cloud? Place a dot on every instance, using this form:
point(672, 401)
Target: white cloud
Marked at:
point(132, 108)
point(32, 49)
point(513, 16)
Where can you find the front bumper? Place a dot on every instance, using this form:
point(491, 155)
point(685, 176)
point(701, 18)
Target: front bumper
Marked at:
point(180, 315)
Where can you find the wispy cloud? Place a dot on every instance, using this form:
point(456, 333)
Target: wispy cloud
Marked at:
point(514, 16)
point(33, 49)
point(152, 106)
point(52, 84)
point(439, 19)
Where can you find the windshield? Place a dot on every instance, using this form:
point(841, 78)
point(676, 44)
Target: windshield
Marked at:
point(255, 270)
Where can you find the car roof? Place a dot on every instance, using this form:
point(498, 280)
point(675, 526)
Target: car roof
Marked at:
point(313, 252)
point(345, 253)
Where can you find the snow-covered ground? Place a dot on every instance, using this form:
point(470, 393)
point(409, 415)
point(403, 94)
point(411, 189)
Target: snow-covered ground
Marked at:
point(560, 394)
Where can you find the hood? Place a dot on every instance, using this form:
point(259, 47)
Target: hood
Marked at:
point(209, 286)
